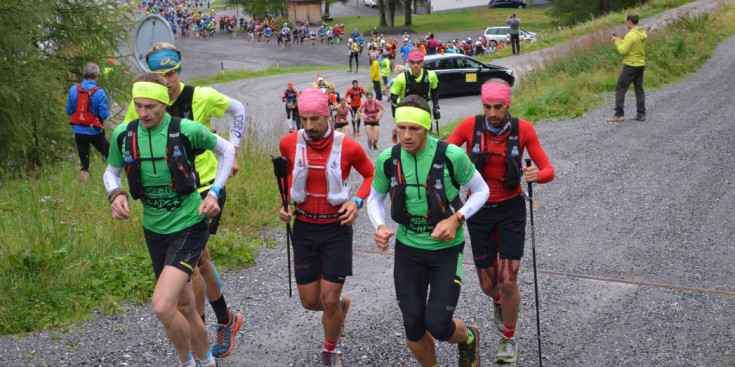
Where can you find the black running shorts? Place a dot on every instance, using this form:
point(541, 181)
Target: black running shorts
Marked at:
point(372, 123)
point(180, 249)
point(322, 251)
point(214, 221)
point(339, 126)
point(498, 227)
point(414, 273)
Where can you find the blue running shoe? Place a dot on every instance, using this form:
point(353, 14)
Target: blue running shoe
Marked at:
point(226, 335)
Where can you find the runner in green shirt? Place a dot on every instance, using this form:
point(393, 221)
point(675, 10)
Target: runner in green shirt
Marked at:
point(423, 175)
point(201, 104)
point(174, 213)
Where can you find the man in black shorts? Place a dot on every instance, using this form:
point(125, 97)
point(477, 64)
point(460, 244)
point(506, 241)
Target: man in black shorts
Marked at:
point(324, 211)
point(422, 177)
point(495, 143)
point(174, 214)
point(87, 108)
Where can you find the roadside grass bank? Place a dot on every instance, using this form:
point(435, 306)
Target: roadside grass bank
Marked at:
point(459, 20)
point(551, 36)
point(62, 255)
point(233, 75)
point(575, 83)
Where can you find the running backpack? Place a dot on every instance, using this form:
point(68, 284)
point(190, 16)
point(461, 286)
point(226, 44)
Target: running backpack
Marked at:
point(179, 154)
point(182, 107)
point(436, 198)
point(420, 88)
point(83, 113)
point(512, 156)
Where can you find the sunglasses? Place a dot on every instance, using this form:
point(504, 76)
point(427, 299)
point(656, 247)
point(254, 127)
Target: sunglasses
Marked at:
point(415, 62)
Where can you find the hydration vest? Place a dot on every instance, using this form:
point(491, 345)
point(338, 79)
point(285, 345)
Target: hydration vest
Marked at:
point(179, 155)
point(352, 93)
point(290, 96)
point(182, 107)
point(371, 111)
point(83, 114)
point(511, 155)
point(421, 88)
point(436, 198)
point(338, 191)
point(342, 114)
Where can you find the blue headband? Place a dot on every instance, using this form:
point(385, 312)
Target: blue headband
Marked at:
point(164, 60)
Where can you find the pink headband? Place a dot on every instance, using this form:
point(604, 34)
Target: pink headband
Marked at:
point(415, 55)
point(314, 101)
point(496, 92)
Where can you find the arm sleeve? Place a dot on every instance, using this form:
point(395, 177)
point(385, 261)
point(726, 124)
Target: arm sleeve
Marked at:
point(538, 156)
point(434, 98)
point(376, 208)
point(237, 110)
point(100, 99)
point(226, 153)
point(71, 102)
point(480, 193)
point(625, 45)
point(364, 167)
point(111, 178)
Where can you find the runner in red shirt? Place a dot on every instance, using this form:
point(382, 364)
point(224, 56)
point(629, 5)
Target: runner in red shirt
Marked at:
point(371, 111)
point(325, 212)
point(353, 96)
point(495, 143)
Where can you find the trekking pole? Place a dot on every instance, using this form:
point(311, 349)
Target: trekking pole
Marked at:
point(535, 279)
point(280, 168)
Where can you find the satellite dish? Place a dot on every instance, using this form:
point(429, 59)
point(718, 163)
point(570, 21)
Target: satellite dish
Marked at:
point(151, 30)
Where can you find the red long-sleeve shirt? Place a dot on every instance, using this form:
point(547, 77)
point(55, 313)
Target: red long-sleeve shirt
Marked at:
point(352, 156)
point(494, 170)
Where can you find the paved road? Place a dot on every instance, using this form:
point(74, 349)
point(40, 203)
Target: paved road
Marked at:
point(634, 239)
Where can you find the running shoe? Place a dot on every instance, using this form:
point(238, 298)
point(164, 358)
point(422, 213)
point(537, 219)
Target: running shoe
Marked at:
point(507, 351)
point(639, 118)
point(330, 359)
point(616, 119)
point(469, 354)
point(498, 317)
point(226, 335)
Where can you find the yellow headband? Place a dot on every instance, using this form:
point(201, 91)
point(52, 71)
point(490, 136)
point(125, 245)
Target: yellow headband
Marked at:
point(414, 115)
point(150, 90)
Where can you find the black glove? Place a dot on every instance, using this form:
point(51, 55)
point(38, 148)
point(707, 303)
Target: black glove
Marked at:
point(437, 113)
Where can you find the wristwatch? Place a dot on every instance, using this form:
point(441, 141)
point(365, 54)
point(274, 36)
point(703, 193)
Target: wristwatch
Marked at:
point(460, 218)
point(358, 201)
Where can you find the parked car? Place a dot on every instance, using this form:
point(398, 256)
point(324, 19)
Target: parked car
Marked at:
point(371, 3)
point(496, 35)
point(518, 4)
point(460, 74)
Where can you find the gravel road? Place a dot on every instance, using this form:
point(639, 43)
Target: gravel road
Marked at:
point(634, 241)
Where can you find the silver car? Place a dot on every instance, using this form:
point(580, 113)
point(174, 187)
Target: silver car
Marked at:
point(495, 35)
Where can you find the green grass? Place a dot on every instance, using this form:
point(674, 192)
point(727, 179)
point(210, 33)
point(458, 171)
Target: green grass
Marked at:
point(551, 36)
point(460, 20)
point(62, 255)
point(575, 83)
point(231, 76)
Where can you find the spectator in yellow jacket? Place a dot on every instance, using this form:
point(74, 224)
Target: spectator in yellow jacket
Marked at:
point(632, 46)
point(375, 75)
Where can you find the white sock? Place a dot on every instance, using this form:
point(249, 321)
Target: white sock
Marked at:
point(209, 362)
point(290, 123)
point(191, 363)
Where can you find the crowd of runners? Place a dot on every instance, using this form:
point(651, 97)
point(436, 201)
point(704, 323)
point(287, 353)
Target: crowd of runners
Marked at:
point(178, 168)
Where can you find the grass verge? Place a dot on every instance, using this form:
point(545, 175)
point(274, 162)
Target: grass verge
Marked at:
point(231, 76)
point(459, 20)
point(63, 256)
point(576, 82)
point(550, 36)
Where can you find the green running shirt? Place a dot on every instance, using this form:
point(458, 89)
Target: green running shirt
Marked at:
point(164, 211)
point(416, 197)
